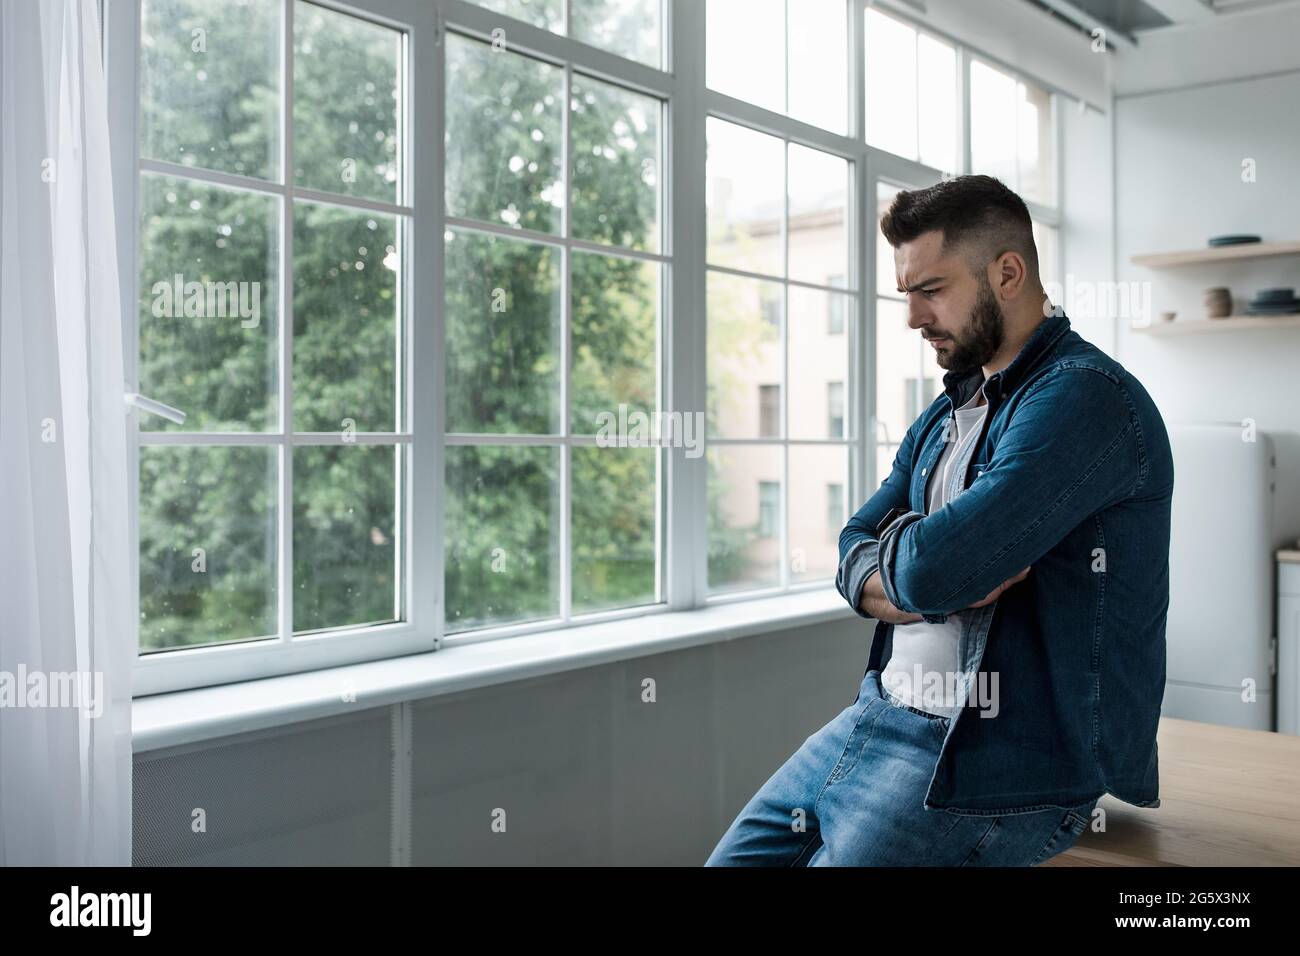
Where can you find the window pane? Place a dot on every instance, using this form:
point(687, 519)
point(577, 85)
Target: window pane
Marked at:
point(208, 549)
point(819, 63)
point(1037, 159)
point(819, 200)
point(346, 535)
point(744, 516)
point(993, 112)
point(345, 102)
point(629, 28)
point(345, 320)
point(502, 535)
point(891, 94)
point(615, 165)
point(210, 84)
point(546, 14)
point(886, 272)
point(814, 539)
point(615, 323)
point(898, 359)
point(209, 297)
point(746, 50)
point(744, 351)
point(502, 335)
point(746, 205)
point(818, 359)
point(504, 137)
point(1045, 239)
point(613, 519)
point(937, 102)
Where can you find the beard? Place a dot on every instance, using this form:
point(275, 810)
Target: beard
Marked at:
point(980, 340)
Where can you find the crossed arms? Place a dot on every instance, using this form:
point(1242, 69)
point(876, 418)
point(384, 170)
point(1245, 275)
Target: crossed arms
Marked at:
point(1071, 448)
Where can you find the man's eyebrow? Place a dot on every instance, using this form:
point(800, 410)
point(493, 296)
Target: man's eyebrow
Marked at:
point(924, 282)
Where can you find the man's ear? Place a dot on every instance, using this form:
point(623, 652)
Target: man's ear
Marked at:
point(1008, 274)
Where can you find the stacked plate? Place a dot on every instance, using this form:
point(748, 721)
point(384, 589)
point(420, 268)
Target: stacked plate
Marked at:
point(1273, 302)
point(1232, 240)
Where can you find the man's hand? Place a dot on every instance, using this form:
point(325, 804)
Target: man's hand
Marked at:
point(993, 595)
point(874, 602)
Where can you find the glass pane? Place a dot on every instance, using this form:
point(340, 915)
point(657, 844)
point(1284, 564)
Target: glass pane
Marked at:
point(503, 335)
point(504, 137)
point(613, 520)
point(898, 363)
point(546, 14)
point(937, 101)
point(346, 535)
point(745, 55)
point(210, 84)
point(345, 103)
point(891, 94)
point(819, 63)
point(884, 465)
point(746, 205)
point(208, 568)
point(615, 322)
point(1037, 159)
point(744, 516)
point(629, 28)
point(819, 202)
point(817, 511)
point(502, 535)
point(744, 353)
point(886, 271)
point(1045, 238)
point(345, 320)
point(615, 165)
point(209, 305)
point(993, 113)
point(819, 359)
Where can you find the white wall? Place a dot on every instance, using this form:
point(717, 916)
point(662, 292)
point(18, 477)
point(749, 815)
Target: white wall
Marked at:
point(1087, 204)
point(1178, 181)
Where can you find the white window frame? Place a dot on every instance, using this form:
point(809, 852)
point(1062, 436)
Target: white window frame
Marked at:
point(683, 536)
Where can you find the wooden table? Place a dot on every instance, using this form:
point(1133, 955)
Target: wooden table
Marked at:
point(1228, 797)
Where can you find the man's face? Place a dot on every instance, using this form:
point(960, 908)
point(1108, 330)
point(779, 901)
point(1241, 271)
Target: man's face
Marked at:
point(956, 312)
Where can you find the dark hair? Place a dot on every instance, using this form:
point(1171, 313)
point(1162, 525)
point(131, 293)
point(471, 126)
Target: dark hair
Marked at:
point(976, 213)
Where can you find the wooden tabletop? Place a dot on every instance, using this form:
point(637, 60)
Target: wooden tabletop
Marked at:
point(1228, 797)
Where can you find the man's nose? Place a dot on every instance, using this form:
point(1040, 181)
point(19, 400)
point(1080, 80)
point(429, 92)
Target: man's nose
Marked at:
point(918, 316)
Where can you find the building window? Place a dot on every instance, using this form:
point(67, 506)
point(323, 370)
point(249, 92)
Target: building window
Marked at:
point(769, 508)
point(835, 409)
point(835, 516)
point(769, 411)
point(835, 308)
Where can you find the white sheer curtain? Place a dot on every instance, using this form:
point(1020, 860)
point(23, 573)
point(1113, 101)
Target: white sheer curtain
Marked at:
point(66, 641)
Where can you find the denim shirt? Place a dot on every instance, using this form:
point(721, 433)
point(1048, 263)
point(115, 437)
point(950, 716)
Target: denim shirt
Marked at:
point(1073, 478)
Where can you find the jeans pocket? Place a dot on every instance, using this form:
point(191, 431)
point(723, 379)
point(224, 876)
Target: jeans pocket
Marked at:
point(1073, 823)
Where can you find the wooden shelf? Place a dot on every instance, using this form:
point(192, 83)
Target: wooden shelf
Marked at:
point(1231, 323)
point(1247, 250)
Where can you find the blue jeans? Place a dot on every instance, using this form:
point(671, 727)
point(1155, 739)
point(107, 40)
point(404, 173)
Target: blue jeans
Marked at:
point(853, 795)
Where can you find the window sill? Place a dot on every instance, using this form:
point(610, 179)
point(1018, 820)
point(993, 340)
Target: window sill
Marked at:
point(190, 716)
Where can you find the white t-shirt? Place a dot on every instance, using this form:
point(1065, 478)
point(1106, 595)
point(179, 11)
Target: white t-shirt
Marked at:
point(925, 663)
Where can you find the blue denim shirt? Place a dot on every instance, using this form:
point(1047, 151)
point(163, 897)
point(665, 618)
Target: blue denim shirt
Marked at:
point(1073, 477)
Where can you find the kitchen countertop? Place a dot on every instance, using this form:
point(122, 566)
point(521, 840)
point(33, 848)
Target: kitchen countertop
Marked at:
point(1228, 797)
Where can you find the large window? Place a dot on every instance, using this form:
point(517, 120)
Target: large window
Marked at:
point(439, 301)
point(779, 235)
point(911, 92)
point(553, 305)
point(790, 56)
point(273, 237)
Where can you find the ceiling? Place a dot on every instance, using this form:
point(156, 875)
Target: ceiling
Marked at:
point(1125, 19)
